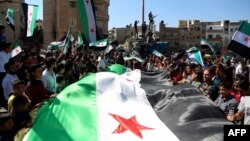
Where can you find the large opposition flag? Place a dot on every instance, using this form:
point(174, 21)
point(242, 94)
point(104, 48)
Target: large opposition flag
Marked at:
point(10, 18)
point(240, 42)
point(30, 14)
point(100, 107)
point(204, 43)
point(16, 48)
point(87, 18)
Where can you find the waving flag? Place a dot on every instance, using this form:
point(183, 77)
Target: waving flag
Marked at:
point(10, 18)
point(108, 49)
point(55, 45)
point(87, 18)
point(30, 14)
point(240, 42)
point(79, 42)
point(195, 54)
point(204, 43)
point(157, 53)
point(68, 41)
point(16, 49)
point(100, 43)
point(100, 107)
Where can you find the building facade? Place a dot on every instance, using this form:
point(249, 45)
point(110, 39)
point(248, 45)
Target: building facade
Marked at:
point(189, 32)
point(171, 35)
point(58, 15)
point(18, 19)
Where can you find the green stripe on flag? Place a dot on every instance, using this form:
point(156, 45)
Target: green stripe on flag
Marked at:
point(33, 21)
point(245, 28)
point(118, 69)
point(83, 18)
point(71, 116)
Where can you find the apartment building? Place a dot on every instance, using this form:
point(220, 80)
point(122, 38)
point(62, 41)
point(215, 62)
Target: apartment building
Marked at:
point(58, 15)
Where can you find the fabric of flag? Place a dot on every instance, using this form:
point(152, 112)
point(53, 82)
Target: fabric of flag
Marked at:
point(87, 18)
point(240, 42)
point(10, 18)
point(55, 45)
point(157, 53)
point(133, 57)
point(195, 54)
point(184, 110)
point(118, 69)
point(16, 49)
point(68, 41)
point(108, 49)
point(100, 107)
point(99, 43)
point(206, 44)
point(30, 14)
point(79, 42)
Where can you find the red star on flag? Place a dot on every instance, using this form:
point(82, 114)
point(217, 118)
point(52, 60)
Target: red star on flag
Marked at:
point(130, 124)
point(246, 39)
point(30, 14)
point(17, 50)
point(92, 30)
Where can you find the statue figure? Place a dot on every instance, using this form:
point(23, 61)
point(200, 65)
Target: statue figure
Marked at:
point(151, 20)
point(135, 28)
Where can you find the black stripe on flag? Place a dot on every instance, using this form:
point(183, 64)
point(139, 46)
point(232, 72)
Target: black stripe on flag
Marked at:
point(239, 48)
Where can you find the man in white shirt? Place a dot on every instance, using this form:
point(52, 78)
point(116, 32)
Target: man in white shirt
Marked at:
point(8, 80)
point(49, 77)
point(239, 69)
point(5, 56)
point(102, 63)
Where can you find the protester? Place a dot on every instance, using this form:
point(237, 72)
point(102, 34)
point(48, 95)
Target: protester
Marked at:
point(8, 80)
point(49, 76)
point(35, 88)
point(226, 101)
point(208, 88)
point(244, 105)
point(6, 126)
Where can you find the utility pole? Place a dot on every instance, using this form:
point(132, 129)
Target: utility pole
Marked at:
point(142, 11)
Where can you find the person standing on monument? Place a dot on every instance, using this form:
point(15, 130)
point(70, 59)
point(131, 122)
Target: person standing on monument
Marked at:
point(136, 28)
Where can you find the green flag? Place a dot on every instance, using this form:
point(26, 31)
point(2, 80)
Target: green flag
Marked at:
point(79, 41)
point(100, 107)
point(16, 48)
point(99, 43)
point(10, 18)
point(87, 18)
point(195, 54)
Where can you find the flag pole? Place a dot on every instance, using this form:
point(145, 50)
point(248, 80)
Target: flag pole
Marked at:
point(142, 11)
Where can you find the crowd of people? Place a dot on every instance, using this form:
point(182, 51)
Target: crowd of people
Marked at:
point(35, 76)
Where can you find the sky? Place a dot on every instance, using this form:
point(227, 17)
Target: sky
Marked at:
point(124, 12)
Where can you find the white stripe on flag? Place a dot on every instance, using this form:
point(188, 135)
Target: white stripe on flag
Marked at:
point(126, 101)
point(30, 15)
point(91, 21)
point(242, 38)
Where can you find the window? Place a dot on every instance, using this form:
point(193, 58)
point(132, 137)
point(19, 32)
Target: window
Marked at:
point(210, 28)
point(232, 29)
point(210, 36)
point(72, 4)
